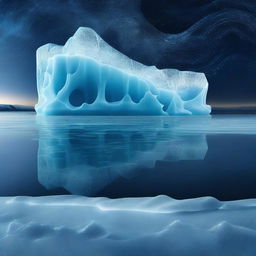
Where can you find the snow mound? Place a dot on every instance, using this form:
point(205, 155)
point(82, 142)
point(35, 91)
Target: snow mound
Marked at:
point(74, 225)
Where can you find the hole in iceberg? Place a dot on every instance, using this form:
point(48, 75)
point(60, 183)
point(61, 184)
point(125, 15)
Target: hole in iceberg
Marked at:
point(137, 90)
point(165, 99)
point(77, 98)
point(189, 93)
point(115, 87)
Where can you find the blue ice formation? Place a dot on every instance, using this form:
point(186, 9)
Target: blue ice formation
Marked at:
point(87, 76)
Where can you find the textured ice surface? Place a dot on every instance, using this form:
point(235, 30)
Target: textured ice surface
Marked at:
point(73, 225)
point(87, 76)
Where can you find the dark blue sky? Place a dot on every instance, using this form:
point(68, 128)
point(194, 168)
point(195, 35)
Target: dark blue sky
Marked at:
point(215, 37)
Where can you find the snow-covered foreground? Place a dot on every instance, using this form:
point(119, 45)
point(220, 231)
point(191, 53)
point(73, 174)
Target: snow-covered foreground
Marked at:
point(74, 225)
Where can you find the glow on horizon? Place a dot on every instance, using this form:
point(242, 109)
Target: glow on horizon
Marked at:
point(10, 100)
point(234, 105)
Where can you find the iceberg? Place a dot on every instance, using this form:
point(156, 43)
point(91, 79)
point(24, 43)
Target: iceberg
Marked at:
point(87, 76)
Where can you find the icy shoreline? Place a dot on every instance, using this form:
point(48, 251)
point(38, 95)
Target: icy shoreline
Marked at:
point(76, 225)
point(9, 107)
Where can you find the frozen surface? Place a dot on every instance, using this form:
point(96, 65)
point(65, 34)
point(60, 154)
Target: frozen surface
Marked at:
point(87, 76)
point(73, 225)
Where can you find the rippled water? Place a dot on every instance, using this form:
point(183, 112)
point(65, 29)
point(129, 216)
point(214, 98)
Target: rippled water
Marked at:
point(182, 157)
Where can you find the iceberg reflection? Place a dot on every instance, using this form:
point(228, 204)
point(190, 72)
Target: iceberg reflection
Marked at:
point(85, 154)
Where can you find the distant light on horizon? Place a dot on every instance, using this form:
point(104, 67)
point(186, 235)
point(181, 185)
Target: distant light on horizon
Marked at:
point(16, 100)
point(234, 105)
point(12, 100)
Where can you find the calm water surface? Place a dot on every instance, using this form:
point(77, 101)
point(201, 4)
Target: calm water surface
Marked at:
point(182, 157)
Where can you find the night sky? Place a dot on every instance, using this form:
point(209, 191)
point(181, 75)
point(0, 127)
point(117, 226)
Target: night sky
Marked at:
point(212, 36)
